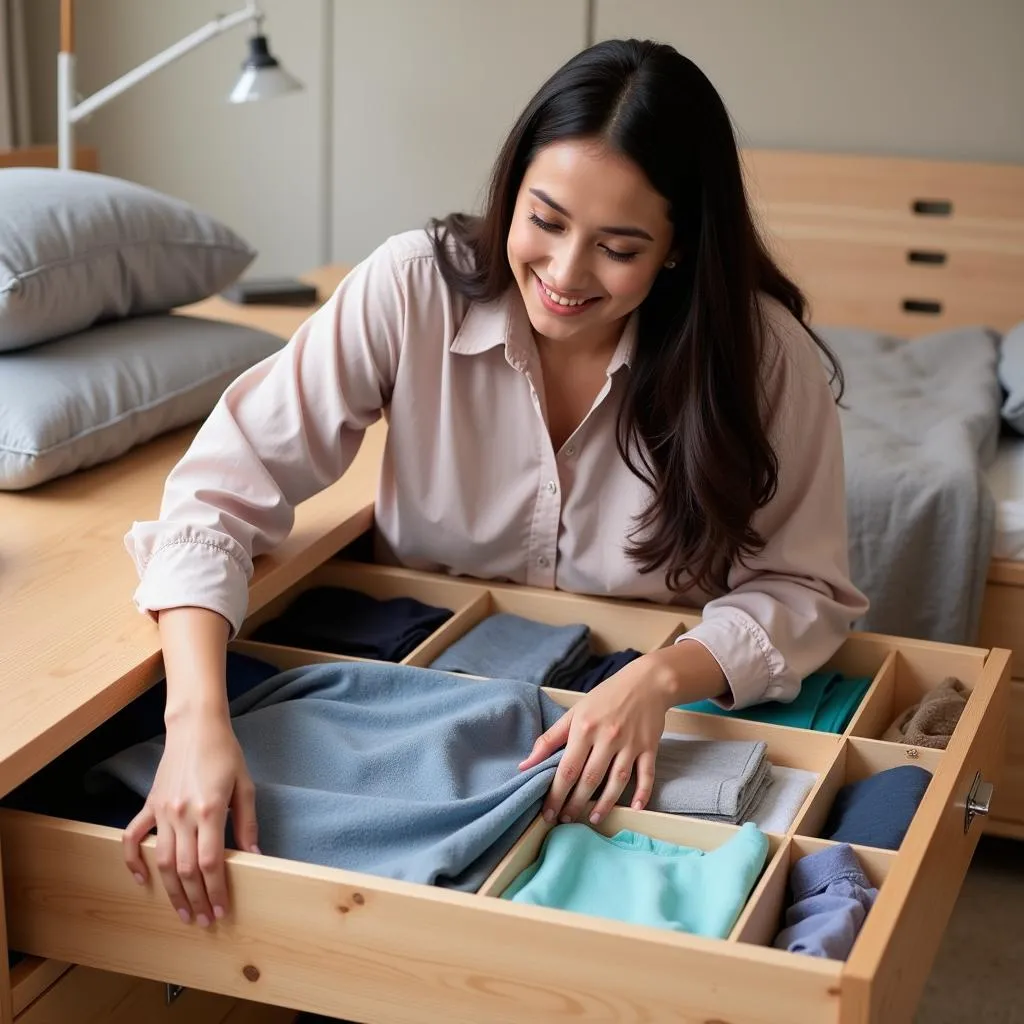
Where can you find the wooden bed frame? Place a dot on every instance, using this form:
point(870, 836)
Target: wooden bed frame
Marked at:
point(910, 247)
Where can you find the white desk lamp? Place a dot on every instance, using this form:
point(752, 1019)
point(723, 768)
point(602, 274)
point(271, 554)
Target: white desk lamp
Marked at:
point(262, 76)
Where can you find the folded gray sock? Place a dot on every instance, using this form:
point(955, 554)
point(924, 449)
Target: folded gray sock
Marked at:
point(721, 780)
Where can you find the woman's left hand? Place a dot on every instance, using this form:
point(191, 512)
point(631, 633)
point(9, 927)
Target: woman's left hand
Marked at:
point(617, 727)
point(614, 727)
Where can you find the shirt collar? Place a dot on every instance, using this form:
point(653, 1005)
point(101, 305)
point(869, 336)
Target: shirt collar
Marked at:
point(504, 321)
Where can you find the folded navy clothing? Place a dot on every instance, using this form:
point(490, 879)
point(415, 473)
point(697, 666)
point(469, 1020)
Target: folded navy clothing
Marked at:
point(391, 770)
point(57, 790)
point(506, 646)
point(338, 620)
point(877, 811)
point(598, 668)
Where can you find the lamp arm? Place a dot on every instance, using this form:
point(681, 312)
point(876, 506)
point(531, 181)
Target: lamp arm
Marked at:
point(209, 31)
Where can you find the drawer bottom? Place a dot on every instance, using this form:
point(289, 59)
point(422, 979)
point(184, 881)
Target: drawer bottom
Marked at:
point(83, 995)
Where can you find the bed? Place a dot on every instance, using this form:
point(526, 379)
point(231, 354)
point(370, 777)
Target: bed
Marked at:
point(910, 248)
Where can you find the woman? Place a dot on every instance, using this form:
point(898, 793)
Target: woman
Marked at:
point(603, 384)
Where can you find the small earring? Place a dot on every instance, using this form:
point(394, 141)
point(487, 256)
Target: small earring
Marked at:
point(670, 264)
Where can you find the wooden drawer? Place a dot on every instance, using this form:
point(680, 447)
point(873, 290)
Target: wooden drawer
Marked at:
point(50, 992)
point(1007, 818)
point(1002, 621)
point(376, 950)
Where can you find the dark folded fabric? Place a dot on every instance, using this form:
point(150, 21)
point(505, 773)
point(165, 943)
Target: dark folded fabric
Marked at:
point(877, 811)
point(58, 790)
point(338, 620)
point(598, 668)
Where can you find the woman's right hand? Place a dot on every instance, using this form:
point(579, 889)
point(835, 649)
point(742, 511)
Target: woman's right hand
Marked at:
point(202, 774)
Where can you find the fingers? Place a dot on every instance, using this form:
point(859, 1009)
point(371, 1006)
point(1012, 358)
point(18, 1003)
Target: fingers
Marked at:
point(186, 860)
point(547, 743)
point(618, 779)
point(167, 864)
point(645, 765)
point(594, 773)
point(138, 828)
point(570, 769)
point(243, 815)
point(212, 880)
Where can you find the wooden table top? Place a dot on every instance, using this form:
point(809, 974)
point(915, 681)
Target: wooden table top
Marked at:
point(73, 647)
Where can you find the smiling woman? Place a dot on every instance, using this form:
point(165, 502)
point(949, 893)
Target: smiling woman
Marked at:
point(603, 385)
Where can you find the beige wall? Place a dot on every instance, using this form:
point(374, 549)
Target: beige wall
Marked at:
point(408, 100)
point(258, 167)
point(934, 78)
point(425, 91)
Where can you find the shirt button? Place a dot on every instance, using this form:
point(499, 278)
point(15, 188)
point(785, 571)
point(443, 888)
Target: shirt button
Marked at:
point(570, 449)
point(542, 562)
point(552, 487)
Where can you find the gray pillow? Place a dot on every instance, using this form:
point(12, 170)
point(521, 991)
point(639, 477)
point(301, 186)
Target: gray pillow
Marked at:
point(1011, 376)
point(76, 248)
point(90, 397)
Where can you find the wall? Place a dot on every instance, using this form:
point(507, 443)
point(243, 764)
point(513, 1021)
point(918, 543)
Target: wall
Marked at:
point(408, 100)
point(258, 167)
point(425, 93)
point(933, 78)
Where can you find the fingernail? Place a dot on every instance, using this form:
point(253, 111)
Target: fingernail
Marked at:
point(638, 805)
point(566, 819)
point(254, 849)
point(203, 921)
point(549, 816)
point(184, 915)
point(595, 818)
point(218, 912)
point(139, 878)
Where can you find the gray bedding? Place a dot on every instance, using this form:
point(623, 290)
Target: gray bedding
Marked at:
point(920, 424)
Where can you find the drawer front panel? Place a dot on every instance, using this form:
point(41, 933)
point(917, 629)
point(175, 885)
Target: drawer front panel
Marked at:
point(888, 968)
point(347, 945)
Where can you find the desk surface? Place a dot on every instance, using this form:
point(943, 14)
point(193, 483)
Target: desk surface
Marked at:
point(73, 648)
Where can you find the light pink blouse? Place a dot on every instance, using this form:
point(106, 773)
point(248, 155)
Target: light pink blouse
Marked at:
point(470, 483)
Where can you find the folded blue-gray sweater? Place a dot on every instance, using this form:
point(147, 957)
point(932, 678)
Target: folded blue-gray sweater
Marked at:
point(395, 771)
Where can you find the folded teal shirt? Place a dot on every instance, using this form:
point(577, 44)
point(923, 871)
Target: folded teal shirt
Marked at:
point(633, 878)
point(826, 703)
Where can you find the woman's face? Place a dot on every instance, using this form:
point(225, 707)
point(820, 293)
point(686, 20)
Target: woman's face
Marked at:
point(589, 235)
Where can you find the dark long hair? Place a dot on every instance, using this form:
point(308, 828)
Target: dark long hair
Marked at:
point(692, 424)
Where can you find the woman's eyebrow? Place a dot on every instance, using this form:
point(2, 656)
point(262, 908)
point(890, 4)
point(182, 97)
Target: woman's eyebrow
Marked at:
point(629, 232)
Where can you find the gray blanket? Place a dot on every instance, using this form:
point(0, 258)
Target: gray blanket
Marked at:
point(920, 424)
point(391, 770)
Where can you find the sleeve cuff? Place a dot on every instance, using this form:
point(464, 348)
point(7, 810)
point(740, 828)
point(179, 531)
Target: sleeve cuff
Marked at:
point(196, 574)
point(750, 663)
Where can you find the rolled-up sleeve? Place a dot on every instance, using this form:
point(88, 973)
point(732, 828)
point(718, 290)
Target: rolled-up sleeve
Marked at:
point(284, 430)
point(790, 606)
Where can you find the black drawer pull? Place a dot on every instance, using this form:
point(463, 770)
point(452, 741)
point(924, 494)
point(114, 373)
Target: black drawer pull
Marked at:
point(929, 306)
point(933, 207)
point(931, 257)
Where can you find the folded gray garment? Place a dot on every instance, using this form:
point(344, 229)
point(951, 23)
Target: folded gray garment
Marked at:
point(506, 646)
point(386, 769)
point(721, 780)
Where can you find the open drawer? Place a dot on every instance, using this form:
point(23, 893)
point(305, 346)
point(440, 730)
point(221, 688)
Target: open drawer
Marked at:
point(373, 949)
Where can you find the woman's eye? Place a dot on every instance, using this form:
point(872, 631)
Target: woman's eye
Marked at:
point(544, 225)
point(623, 257)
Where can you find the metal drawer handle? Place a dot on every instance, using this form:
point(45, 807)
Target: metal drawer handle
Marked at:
point(171, 993)
point(979, 800)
